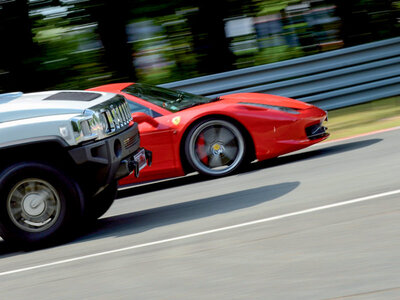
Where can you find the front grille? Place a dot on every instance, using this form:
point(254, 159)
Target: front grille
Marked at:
point(316, 131)
point(117, 116)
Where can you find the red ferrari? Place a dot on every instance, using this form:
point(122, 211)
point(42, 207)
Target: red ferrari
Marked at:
point(215, 137)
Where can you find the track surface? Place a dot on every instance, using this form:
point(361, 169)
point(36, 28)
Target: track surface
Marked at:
point(253, 235)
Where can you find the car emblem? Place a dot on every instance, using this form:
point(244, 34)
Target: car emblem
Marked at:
point(176, 121)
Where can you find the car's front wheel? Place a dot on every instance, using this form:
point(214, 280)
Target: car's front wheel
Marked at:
point(98, 205)
point(215, 147)
point(38, 203)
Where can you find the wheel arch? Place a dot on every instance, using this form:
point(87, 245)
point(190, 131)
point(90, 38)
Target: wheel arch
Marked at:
point(50, 151)
point(250, 148)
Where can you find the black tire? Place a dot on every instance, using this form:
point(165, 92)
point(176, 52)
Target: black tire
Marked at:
point(98, 205)
point(38, 204)
point(215, 147)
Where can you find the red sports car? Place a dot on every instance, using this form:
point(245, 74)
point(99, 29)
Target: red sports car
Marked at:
point(215, 137)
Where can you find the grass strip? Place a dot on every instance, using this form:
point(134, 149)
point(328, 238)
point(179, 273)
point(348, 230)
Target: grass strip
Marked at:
point(363, 118)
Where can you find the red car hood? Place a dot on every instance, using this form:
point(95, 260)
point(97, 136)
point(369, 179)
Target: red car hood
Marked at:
point(264, 99)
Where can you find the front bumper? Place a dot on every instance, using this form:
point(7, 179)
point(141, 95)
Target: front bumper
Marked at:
point(293, 133)
point(107, 160)
point(134, 163)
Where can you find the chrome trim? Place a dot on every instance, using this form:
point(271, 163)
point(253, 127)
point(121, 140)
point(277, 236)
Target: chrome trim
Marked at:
point(102, 120)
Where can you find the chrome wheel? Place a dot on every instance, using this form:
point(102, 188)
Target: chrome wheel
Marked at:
point(215, 147)
point(33, 205)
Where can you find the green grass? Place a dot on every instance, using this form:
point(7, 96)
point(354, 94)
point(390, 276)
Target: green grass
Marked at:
point(363, 118)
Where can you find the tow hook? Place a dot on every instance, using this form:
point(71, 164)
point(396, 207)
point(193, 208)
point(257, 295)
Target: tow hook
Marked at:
point(133, 165)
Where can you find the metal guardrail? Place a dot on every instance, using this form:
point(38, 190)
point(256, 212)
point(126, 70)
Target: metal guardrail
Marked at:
point(329, 80)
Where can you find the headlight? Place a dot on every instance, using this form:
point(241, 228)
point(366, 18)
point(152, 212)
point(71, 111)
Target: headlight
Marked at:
point(88, 126)
point(279, 108)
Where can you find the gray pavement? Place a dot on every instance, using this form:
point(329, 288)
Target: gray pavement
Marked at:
point(190, 238)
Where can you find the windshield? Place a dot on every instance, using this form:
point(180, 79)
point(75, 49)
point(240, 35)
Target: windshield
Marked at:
point(168, 99)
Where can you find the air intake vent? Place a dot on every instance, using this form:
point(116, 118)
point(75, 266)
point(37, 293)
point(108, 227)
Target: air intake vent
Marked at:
point(316, 131)
point(73, 96)
point(131, 141)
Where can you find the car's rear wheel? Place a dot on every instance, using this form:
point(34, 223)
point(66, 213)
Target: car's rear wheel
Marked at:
point(215, 147)
point(38, 204)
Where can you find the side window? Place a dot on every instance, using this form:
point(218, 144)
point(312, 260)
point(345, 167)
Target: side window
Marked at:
point(136, 107)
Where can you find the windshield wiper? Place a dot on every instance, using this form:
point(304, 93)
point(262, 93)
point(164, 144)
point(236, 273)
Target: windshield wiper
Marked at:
point(215, 99)
point(201, 103)
point(194, 104)
point(180, 98)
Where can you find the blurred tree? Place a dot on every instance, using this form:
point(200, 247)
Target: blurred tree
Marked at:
point(111, 16)
point(267, 7)
point(366, 20)
point(355, 22)
point(17, 48)
point(209, 39)
point(47, 44)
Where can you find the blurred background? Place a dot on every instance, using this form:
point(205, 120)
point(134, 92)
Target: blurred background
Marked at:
point(78, 44)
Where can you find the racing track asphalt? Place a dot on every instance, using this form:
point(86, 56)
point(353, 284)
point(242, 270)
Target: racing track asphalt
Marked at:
point(321, 223)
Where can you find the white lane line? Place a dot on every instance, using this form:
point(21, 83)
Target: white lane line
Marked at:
point(301, 212)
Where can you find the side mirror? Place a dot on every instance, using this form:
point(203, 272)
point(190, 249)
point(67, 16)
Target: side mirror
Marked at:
point(140, 117)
